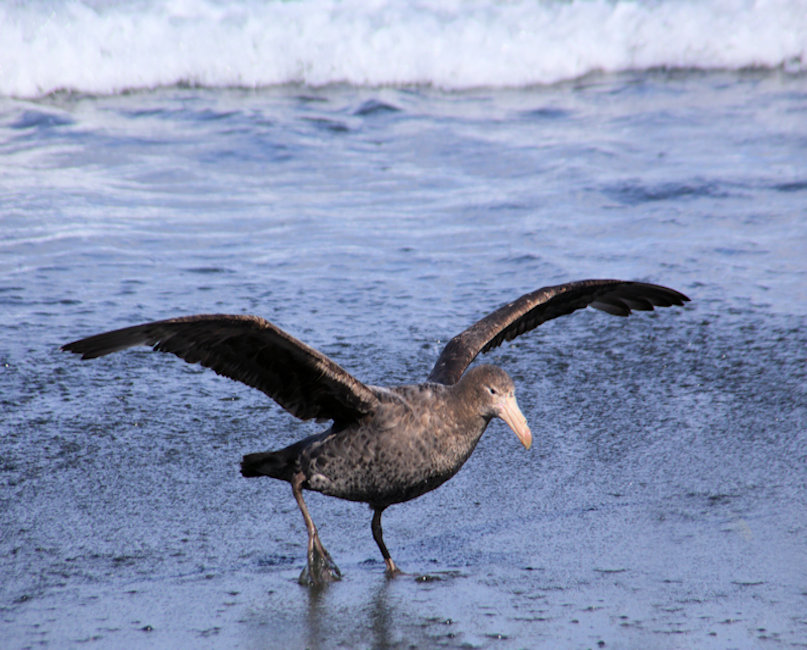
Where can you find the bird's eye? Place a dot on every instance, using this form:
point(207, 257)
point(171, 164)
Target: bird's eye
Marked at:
point(492, 390)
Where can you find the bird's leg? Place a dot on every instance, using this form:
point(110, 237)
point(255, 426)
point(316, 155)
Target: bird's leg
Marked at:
point(392, 570)
point(321, 568)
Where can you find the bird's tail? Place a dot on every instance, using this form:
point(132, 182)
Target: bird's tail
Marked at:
point(277, 464)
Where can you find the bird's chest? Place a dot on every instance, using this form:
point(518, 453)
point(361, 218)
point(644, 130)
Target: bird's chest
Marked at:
point(396, 461)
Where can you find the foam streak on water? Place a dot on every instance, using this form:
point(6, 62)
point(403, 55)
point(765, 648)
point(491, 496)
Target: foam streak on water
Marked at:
point(105, 47)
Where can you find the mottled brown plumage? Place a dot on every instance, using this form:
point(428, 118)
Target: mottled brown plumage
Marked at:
point(386, 445)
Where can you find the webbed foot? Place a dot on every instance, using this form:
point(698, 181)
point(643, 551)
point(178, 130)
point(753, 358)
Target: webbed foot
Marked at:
point(320, 570)
point(392, 569)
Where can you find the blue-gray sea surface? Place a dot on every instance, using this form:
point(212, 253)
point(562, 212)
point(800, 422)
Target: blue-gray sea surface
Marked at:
point(664, 502)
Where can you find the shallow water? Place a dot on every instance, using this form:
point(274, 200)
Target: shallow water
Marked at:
point(663, 502)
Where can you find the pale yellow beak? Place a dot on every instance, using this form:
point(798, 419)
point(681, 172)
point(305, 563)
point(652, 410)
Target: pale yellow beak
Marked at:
point(509, 412)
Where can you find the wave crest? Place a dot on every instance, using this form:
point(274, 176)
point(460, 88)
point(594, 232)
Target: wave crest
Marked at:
point(108, 47)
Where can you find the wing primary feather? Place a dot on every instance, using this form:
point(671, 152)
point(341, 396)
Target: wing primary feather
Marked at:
point(613, 307)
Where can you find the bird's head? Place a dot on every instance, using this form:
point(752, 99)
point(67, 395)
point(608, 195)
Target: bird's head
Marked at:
point(495, 394)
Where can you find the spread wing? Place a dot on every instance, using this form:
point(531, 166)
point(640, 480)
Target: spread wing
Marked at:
point(251, 350)
point(530, 310)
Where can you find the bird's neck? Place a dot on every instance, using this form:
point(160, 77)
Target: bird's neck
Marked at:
point(463, 409)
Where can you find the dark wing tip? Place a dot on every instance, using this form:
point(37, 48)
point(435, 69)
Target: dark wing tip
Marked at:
point(627, 297)
point(158, 334)
point(106, 343)
point(80, 347)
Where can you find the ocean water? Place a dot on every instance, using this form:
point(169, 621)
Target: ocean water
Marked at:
point(373, 178)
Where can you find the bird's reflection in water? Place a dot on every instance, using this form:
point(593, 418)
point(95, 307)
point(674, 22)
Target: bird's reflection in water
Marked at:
point(381, 615)
point(331, 616)
point(315, 613)
point(386, 614)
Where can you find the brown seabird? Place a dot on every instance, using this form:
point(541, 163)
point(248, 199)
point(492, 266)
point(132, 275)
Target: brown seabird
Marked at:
point(386, 445)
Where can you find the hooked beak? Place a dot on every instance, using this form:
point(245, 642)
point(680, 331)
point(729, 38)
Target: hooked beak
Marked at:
point(509, 412)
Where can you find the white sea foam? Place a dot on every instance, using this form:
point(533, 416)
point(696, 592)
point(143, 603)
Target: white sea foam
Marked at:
point(108, 46)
